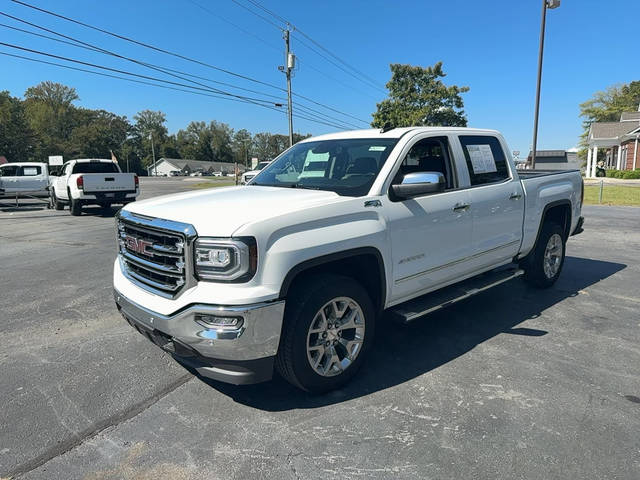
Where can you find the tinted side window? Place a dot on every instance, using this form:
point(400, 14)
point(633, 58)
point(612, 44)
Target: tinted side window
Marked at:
point(485, 158)
point(30, 171)
point(9, 170)
point(428, 155)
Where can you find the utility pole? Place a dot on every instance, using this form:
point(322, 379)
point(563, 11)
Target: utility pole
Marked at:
point(550, 4)
point(290, 60)
point(153, 153)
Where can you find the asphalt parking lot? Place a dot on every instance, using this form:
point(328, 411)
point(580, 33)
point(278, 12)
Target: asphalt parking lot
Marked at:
point(513, 383)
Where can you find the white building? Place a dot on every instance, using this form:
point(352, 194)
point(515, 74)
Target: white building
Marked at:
point(165, 165)
point(619, 140)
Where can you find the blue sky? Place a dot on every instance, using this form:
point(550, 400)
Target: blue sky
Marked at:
point(489, 46)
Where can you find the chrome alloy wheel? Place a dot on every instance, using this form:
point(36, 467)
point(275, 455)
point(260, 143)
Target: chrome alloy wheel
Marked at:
point(553, 256)
point(335, 336)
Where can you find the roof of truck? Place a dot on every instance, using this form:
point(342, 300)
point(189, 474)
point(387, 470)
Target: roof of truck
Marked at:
point(396, 132)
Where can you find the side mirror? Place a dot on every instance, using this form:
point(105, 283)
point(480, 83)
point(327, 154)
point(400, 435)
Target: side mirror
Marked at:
point(418, 184)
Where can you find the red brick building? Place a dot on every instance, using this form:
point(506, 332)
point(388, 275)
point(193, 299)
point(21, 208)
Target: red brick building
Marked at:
point(620, 141)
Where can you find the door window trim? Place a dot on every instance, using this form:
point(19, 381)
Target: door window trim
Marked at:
point(510, 177)
point(405, 151)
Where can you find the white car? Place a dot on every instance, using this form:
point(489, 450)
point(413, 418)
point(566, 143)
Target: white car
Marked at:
point(24, 178)
point(247, 176)
point(92, 182)
point(293, 272)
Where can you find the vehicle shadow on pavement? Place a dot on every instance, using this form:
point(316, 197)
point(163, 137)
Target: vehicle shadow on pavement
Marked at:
point(404, 352)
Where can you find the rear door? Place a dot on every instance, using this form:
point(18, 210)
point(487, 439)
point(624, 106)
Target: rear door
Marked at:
point(496, 200)
point(430, 235)
point(32, 178)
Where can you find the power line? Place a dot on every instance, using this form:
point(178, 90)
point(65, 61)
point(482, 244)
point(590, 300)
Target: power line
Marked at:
point(90, 47)
point(362, 76)
point(146, 45)
point(79, 43)
point(122, 37)
point(258, 15)
point(300, 60)
point(243, 30)
point(304, 117)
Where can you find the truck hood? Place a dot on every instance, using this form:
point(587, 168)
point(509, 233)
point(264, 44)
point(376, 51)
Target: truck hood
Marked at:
point(219, 212)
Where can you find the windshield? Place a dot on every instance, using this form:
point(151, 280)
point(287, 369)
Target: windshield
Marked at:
point(261, 165)
point(95, 167)
point(347, 167)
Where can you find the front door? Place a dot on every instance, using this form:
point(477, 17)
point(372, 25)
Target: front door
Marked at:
point(430, 235)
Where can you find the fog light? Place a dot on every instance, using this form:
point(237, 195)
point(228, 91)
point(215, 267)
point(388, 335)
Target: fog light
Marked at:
point(215, 321)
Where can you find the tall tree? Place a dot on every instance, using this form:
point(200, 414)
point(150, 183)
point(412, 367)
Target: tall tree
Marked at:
point(149, 124)
point(16, 137)
point(49, 109)
point(241, 146)
point(97, 133)
point(417, 97)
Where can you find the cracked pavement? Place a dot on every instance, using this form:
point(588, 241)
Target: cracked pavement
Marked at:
point(514, 383)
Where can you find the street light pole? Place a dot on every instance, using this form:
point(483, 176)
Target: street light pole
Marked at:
point(153, 154)
point(551, 4)
point(289, 60)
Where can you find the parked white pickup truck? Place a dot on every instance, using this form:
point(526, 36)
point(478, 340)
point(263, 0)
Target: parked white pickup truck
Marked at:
point(293, 271)
point(92, 182)
point(24, 178)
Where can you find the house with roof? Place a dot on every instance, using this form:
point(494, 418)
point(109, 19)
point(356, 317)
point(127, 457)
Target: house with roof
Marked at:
point(555, 160)
point(618, 139)
point(163, 166)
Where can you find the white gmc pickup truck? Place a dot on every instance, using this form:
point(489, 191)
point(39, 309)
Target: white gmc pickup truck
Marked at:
point(92, 182)
point(292, 271)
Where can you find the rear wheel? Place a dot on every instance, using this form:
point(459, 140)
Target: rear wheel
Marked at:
point(75, 207)
point(543, 266)
point(328, 328)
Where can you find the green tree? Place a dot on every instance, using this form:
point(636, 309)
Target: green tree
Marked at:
point(241, 146)
point(49, 110)
point(148, 124)
point(607, 106)
point(96, 134)
point(16, 137)
point(417, 97)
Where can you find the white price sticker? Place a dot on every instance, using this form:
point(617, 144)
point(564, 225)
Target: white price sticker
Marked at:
point(482, 160)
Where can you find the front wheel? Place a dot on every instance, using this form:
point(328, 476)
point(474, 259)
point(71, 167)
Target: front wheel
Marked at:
point(328, 327)
point(55, 202)
point(543, 266)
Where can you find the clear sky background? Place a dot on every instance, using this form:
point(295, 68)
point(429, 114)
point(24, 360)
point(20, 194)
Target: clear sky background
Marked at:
point(489, 46)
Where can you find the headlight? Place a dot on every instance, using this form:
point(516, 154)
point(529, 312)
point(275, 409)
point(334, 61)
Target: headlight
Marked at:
point(225, 259)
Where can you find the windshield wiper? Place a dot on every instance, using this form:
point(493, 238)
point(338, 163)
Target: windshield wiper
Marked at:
point(306, 187)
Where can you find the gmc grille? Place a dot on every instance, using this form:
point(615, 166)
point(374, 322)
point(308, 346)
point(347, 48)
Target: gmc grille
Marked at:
point(154, 258)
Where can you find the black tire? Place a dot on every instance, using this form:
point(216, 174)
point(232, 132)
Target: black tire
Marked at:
point(534, 265)
point(75, 207)
point(304, 302)
point(55, 202)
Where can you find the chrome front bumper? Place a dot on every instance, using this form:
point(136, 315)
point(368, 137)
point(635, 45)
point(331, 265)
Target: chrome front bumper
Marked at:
point(215, 353)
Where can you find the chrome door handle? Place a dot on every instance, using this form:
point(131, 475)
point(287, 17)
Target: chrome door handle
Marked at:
point(461, 206)
point(515, 196)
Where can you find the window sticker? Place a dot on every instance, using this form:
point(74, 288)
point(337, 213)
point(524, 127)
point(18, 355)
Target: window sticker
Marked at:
point(482, 160)
point(376, 148)
point(29, 171)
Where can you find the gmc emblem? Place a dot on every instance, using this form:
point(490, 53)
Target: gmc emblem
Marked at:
point(138, 245)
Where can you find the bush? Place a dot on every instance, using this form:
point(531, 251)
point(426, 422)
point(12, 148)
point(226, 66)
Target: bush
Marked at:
point(614, 173)
point(631, 174)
